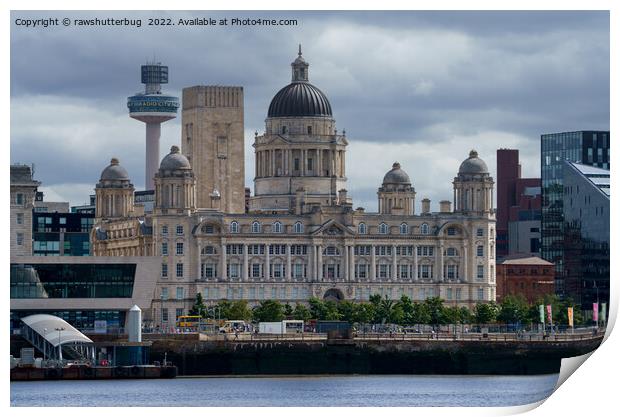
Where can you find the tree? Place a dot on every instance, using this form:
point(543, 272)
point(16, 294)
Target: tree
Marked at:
point(347, 309)
point(288, 310)
point(485, 312)
point(513, 310)
point(199, 308)
point(318, 310)
point(301, 312)
point(384, 310)
point(465, 315)
point(239, 310)
point(365, 313)
point(408, 310)
point(435, 310)
point(331, 311)
point(268, 310)
point(421, 314)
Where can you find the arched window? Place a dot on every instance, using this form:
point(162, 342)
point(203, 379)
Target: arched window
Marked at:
point(299, 227)
point(331, 251)
point(283, 130)
point(424, 229)
point(208, 250)
point(361, 229)
point(256, 227)
point(208, 229)
point(404, 229)
point(234, 227)
point(277, 227)
point(383, 229)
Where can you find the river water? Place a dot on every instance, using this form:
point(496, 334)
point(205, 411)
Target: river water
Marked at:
point(323, 391)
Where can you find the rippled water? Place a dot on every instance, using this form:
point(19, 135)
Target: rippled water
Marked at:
point(324, 391)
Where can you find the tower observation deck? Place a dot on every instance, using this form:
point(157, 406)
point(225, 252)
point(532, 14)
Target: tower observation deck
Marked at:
point(153, 108)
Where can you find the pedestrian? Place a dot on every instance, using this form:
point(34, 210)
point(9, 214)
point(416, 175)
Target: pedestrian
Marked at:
point(236, 334)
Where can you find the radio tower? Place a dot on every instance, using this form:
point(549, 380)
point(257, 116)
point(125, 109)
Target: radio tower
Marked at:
point(153, 108)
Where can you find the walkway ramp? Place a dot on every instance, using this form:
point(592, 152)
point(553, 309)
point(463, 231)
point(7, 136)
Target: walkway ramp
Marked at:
point(54, 337)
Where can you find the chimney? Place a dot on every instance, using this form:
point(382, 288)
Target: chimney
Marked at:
point(342, 196)
point(426, 206)
point(445, 206)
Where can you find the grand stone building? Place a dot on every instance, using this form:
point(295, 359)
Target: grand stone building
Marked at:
point(301, 236)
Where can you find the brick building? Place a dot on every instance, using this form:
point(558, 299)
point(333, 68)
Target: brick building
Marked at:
point(529, 276)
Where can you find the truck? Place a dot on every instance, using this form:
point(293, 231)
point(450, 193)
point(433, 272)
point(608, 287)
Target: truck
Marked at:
point(281, 327)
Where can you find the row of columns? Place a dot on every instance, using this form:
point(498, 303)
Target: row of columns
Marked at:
point(269, 161)
point(315, 265)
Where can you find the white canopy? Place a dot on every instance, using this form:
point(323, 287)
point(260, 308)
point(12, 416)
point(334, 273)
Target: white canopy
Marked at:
point(48, 327)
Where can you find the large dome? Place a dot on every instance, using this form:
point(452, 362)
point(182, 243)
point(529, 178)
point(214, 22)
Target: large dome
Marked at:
point(473, 165)
point(396, 176)
point(299, 99)
point(114, 172)
point(174, 160)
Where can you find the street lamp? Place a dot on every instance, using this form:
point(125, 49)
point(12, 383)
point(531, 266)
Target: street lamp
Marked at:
point(59, 329)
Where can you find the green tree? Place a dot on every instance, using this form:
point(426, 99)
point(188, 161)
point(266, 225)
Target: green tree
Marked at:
point(465, 315)
point(365, 313)
point(435, 310)
point(268, 310)
point(347, 310)
point(513, 310)
point(221, 310)
point(408, 310)
point(331, 311)
point(239, 310)
point(318, 310)
point(385, 310)
point(421, 313)
point(288, 310)
point(199, 308)
point(301, 312)
point(485, 312)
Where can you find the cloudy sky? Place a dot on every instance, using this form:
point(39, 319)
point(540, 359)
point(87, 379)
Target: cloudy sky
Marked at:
point(421, 88)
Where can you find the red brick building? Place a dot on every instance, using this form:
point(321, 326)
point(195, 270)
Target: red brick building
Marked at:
point(530, 276)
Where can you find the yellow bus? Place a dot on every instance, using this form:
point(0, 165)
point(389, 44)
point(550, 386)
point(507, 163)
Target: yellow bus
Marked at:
point(188, 322)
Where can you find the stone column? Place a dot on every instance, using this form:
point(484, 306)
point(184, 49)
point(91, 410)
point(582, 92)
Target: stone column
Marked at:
point(223, 273)
point(245, 262)
point(319, 162)
point(394, 264)
point(198, 261)
point(415, 263)
point(303, 162)
point(288, 262)
point(373, 264)
point(266, 267)
point(319, 264)
point(345, 272)
point(352, 262)
point(312, 263)
point(442, 277)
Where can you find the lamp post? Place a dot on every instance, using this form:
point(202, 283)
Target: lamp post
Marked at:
point(59, 329)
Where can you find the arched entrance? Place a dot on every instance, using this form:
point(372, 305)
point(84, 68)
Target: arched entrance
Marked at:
point(333, 294)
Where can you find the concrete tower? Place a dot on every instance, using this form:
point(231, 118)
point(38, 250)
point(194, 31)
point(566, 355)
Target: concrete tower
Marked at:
point(152, 107)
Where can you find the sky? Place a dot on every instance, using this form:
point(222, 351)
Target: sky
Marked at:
point(420, 88)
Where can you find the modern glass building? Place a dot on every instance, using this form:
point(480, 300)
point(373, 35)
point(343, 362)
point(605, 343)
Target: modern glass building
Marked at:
point(586, 233)
point(584, 147)
point(81, 290)
point(61, 234)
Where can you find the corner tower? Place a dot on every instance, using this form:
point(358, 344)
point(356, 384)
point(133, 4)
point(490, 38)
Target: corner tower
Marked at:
point(473, 187)
point(212, 140)
point(300, 153)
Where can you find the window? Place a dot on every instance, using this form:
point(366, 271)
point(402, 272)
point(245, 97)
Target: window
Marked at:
point(451, 271)
point(331, 251)
point(164, 314)
point(164, 270)
point(256, 227)
point(480, 250)
point(361, 229)
point(277, 227)
point(164, 293)
point(296, 164)
point(361, 271)
point(424, 229)
point(480, 294)
point(208, 250)
point(480, 272)
point(62, 220)
point(383, 270)
point(451, 231)
point(362, 250)
point(233, 270)
point(179, 229)
point(299, 270)
point(179, 312)
point(426, 250)
point(425, 271)
point(19, 219)
point(179, 270)
point(479, 232)
point(383, 229)
point(19, 198)
point(451, 252)
point(283, 130)
point(449, 294)
point(19, 239)
point(309, 130)
point(180, 293)
point(208, 229)
point(179, 248)
point(209, 270)
point(256, 270)
point(164, 248)
point(164, 230)
point(404, 229)
point(298, 228)
point(234, 227)
point(458, 293)
point(310, 164)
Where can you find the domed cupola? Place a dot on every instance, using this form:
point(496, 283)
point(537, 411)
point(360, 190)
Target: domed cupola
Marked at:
point(114, 192)
point(174, 161)
point(396, 195)
point(300, 98)
point(114, 173)
point(175, 185)
point(473, 165)
point(396, 176)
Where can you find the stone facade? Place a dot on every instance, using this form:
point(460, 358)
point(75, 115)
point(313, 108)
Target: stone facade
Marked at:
point(23, 193)
point(301, 236)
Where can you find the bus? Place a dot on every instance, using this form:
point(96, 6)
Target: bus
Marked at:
point(188, 323)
